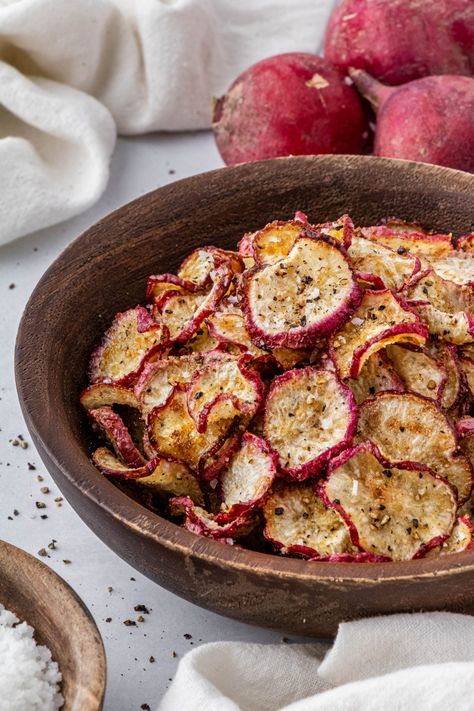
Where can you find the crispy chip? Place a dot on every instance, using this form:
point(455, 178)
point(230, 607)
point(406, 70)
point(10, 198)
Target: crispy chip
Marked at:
point(459, 540)
point(211, 465)
point(102, 394)
point(275, 241)
point(183, 313)
point(381, 319)
point(115, 432)
point(392, 270)
point(400, 511)
point(420, 372)
point(218, 526)
point(341, 230)
point(377, 375)
point(457, 267)
point(158, 284)
point(168, 476)
point(297, 300)
point(446, 354)
point(446, 307)
point(223, 385)
point(111, 466)
point(299, 523)
point(130, 341)
point(309, 417)
point(404, 238)
point(248, 475)
point(410, 428)
point(158, 379)
point(173, 431)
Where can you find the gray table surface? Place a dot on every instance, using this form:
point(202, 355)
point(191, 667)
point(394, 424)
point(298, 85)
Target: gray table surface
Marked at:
point(138, 165)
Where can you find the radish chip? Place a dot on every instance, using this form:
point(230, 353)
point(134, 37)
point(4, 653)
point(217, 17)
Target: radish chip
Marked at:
point(248, 475)
point(299, 523)
point(102, 394)
point(114, 430)
point(409, 428)
point(130, 341)
point(459, 540)
point(420, 372)
point(403, 238)
point(223, 387)
point(301, 298)
point(390, 269)
point(397, 511)
point(447, 308)
point(309, 417)
point(377, 375)
point(173, 431)
point(217, 526)
point(381, 319)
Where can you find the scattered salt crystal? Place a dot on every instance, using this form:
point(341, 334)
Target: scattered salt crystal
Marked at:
point(29, 678)
point(355, 487)
point(357, 321)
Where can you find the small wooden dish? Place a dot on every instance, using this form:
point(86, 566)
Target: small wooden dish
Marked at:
point(38, 596)
point(105, 271)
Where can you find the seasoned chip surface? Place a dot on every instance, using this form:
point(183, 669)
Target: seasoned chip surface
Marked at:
point(409, 428)
point(393, 270)
point(130, 340)
point(300, 298)
point(377, 374)
point(173, 431)
point(380, 319)
point(249, 473)
point(297, 521)
point(309, 416)
point(399, 512)
point(420, 372)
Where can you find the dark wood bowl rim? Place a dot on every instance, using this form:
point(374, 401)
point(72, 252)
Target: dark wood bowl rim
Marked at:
point(146, 523)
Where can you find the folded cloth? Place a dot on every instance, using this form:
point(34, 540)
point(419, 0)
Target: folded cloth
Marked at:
point(149, 64)
point(422, 661)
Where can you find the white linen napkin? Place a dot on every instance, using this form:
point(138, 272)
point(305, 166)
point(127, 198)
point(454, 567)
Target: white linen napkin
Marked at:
point(149, 64)
point(422, 661)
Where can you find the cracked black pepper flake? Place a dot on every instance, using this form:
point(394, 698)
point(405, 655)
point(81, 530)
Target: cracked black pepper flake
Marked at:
point(129, 623)
point(44, 489)
point(43, 552)
point(66, 561)
point(16, 512)
point(43, 516)
point(279, 511)
point(11, 286)
point(142, 608)
point(31, 467)
point(145, 707)
point(108, 619)
point(152, 660)
point(401, 250)
point(140, 618)
point(387, 473)
point(187, 635)
point(40, 504)
point(52, 545)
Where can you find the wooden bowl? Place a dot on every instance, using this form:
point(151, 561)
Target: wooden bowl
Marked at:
point(38, 596)
point(105, 270)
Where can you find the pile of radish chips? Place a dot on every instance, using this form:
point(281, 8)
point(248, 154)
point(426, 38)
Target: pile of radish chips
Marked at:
point(309, 394)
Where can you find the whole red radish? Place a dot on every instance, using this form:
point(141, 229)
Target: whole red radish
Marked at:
point(429, 120)
point(289, 104)
point(401, 40)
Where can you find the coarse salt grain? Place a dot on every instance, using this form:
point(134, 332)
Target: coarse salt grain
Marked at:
point(29, 678)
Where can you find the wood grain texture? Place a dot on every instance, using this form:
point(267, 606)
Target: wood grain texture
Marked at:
point(61, 621)
point(105, 270)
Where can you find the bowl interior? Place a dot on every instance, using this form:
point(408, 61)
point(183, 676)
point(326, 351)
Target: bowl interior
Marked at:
point(106, 269)
point(61, 621)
